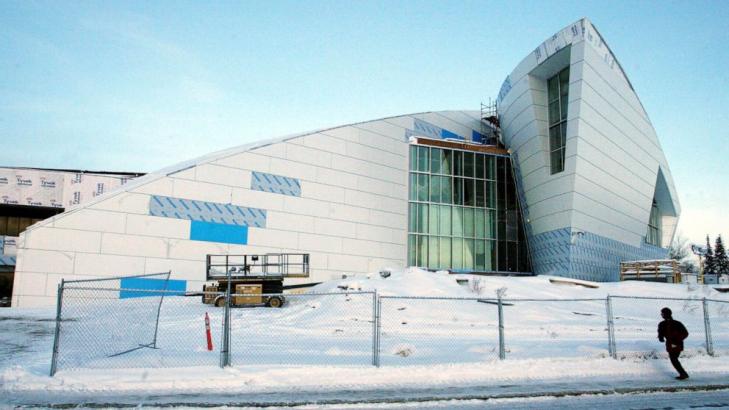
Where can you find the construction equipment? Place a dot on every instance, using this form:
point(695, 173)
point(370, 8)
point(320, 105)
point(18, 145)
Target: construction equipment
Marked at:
point(252, 280)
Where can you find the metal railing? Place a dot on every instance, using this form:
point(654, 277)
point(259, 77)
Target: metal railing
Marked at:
point(97, 328)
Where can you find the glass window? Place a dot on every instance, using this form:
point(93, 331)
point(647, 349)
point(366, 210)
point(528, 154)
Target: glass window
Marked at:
point(413, 217)
point(468, 165)
point(457, 254)
point(422, 218)
point(435, 160)
point(423, 159)
point(3, 225)
point(469, 194)
point(490, 168)
point(490, 229)
point(479, 221)
point(480, 199)
point(445, 220)
point(558, 98)
point(444, 246)
point(468, 222)
point(653, 236)
point(490, 255)
point(413, 158)
point(458, 191)
point(423, 187)
point(433, 252)
point(413, 187)
point(457, 225)
point(434, 188)
point(490, 194)
point(412, 250)
point(422, 250)
point(446, 160)
point(480, 170)
point(433, 219)
point(469, 253)
point(457, 163)
point(446, 190)
point(480, 256)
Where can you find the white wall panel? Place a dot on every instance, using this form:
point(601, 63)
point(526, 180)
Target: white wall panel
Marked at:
point(217, 174)
point(246, 160)
point(133, 245)
point(63, 240)
point(92, 220)
point(201, 191)
point(130, 203)
point(100, 265)
point(157, 226)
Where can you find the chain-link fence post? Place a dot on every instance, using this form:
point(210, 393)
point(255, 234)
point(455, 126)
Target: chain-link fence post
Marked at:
point(378, 328)
point(59, 305)
point(374, 328)
point(610, 327)
point(502, 350)
point(707, 329)
point(225, 350)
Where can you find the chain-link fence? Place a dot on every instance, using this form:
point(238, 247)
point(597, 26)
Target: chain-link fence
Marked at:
point(312, 328)
point(719, 320)
point(539, 328)
point(635, 322)
point(427, 330)
point(101, 324)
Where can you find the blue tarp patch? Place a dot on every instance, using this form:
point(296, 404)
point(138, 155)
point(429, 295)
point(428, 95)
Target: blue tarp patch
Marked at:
point(204, 211)
point(145, 285)
point(7, 260)
point(212, 232)
point(447, 134)
point(261, 181)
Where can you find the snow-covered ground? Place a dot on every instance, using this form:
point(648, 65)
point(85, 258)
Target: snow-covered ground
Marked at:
point(319, 348)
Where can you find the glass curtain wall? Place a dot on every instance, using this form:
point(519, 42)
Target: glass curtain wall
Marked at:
point(463, 212)
point(653, 236)
point(558, 96)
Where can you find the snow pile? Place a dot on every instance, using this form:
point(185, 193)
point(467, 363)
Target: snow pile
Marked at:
point(322, 340)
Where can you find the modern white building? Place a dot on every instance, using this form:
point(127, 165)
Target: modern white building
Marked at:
point(573, 182)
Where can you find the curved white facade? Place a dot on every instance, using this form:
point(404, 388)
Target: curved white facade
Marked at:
point(584, 220)
point(342, 194)
point(339, 194)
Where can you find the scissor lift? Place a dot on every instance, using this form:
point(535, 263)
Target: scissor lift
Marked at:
point(258, 279)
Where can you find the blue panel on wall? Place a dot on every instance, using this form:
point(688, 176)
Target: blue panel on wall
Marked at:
point(143, 286)
point(213, 232)
point(206, 211)
point(261, 181)
point(477, 137)
point(426, 129)
point(447, 134)
point(585, 255)
point(2, 245)
point(7, 260)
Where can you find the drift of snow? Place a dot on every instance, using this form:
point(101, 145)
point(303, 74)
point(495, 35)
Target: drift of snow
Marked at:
point(324, 342)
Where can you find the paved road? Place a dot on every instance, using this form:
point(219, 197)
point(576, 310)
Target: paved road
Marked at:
point(645, 401)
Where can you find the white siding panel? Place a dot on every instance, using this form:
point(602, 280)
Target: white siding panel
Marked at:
point(158, 226)
point(133, 245)
point(55, 239)
point(97, 265)
point(92, 220)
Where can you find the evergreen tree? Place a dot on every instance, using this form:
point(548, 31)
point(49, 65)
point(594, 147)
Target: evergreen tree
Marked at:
point(709, 265)
point(721, 260)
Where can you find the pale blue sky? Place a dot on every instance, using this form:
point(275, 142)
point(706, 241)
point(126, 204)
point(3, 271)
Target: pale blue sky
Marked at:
point(135, 86)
